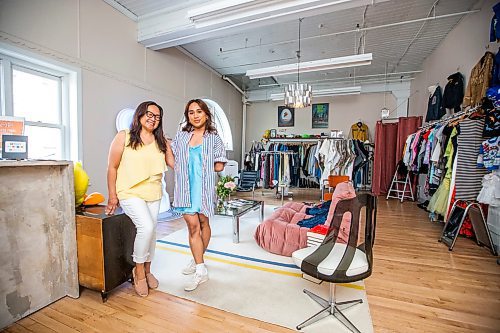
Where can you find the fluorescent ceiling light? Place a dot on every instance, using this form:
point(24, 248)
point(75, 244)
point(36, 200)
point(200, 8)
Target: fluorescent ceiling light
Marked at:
point(312, 66)
point(323, 92)
point(246, 11)
point(214, 7)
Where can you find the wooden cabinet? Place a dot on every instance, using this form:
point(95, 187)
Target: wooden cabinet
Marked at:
point(105, 246)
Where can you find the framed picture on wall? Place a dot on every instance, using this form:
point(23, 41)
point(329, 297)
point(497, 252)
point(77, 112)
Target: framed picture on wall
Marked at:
point(286, 116)
point(273, 133)
point(320, 115)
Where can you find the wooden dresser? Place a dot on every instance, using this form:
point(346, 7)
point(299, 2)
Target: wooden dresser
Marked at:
point(105, 245)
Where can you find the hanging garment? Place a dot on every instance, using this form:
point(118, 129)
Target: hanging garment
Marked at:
point(489, 154)
point(492, 124)
point(439, 201)
point(434, 107)
point(495, 24)
point(468, 176)
point(359, 131)
point(453, 95)
point(495, 80)
point(479, 81)
point(361, 156)
point(491, 184)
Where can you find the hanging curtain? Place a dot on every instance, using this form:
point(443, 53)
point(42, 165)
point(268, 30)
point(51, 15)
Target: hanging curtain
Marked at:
point(407, 126)
point(389, 146)
point(384, 160)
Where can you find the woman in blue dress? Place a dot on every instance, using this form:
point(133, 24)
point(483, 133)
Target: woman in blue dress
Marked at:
point(197, 153)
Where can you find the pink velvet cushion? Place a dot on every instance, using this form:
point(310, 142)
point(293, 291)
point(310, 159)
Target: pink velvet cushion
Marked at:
point(280, 234)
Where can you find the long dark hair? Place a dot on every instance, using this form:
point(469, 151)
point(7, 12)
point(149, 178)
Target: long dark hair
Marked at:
point(135, 129)
point(209, 125)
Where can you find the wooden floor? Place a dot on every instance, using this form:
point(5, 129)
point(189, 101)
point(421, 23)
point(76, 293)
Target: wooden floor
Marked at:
point(417, 286)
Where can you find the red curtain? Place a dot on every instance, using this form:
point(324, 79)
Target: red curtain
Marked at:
point(390, 139)
point(384, 160)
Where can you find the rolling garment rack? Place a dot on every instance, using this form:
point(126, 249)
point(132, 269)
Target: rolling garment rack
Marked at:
point(282, 188)
point(472, 209)
point(403, 189)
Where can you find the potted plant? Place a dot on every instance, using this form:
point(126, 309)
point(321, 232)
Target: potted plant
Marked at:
point(224, 187)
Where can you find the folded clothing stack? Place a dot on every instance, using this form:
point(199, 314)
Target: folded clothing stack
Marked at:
point(316, 235)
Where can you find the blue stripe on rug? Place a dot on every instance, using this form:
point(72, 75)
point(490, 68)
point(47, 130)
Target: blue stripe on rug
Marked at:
point(233, 255)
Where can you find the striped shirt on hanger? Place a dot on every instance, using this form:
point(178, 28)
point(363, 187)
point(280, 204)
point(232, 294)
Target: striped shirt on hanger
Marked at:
point(468, 176)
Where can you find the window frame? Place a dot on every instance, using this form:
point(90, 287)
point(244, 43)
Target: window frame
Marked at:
point(70, 122)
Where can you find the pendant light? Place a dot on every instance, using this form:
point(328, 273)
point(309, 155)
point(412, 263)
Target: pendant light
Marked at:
point(384, 113)
point(298, 95)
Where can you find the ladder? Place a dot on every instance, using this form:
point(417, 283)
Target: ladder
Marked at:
point(396, 184)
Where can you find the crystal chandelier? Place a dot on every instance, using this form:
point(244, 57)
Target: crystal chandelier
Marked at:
point(298, 95)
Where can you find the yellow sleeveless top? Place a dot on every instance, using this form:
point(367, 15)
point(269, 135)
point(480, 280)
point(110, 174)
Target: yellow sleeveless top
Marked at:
point(140, 171)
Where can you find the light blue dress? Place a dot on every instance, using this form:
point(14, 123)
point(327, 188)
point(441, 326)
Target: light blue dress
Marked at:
point(195, 167)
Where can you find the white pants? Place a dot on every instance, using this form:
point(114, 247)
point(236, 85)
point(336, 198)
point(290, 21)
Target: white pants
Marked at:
point(144, 214)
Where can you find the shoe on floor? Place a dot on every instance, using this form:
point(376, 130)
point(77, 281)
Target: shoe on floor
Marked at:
point(152, 281)
point(196, 280)
point(190, 268)
point(423, 205)
point(140, 286)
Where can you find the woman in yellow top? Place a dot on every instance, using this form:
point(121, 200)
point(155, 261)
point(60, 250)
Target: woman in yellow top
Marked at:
point(135, 166)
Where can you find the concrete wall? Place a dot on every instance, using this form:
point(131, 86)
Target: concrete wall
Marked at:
point(460, 51)
point(344, 111)
point(117, 72)
point(37, 237)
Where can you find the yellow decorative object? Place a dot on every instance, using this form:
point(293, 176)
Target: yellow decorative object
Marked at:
point(93, 198)
point(81, 183)
point(267, 134)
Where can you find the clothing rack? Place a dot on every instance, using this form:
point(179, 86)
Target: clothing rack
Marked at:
point(451, 118)
point(277, 152)
point(304, 139)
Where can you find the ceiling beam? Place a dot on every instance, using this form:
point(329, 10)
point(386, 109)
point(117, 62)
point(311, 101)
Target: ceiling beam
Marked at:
point(116, 5)
point(165, 28)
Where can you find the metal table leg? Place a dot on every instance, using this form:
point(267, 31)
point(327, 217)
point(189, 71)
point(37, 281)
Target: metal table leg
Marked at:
point(282, 194)
point(236, 229)
point(262, 211)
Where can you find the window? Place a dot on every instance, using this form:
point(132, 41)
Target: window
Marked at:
point(221, 123)
point(44, 94)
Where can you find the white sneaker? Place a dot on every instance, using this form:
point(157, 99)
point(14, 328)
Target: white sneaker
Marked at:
point(190, 268)
point(196, 280)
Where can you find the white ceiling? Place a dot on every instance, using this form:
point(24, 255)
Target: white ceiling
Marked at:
point(400, 48)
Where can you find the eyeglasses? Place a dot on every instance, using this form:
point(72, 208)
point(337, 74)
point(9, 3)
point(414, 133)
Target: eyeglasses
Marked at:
point(150, 114)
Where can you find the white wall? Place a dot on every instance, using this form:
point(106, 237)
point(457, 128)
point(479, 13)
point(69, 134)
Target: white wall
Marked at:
point(460, 50)
point(344, 111)
point(117, 72)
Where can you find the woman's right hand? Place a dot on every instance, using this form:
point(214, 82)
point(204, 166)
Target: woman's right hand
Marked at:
point(111, 207)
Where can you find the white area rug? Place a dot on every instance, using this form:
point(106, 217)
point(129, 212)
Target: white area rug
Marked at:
point(249, 281)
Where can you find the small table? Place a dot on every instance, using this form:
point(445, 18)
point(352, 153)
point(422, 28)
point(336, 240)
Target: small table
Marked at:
point(237, 212)
point(105, 244)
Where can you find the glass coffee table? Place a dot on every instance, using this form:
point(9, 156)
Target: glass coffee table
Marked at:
point(237, 208)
